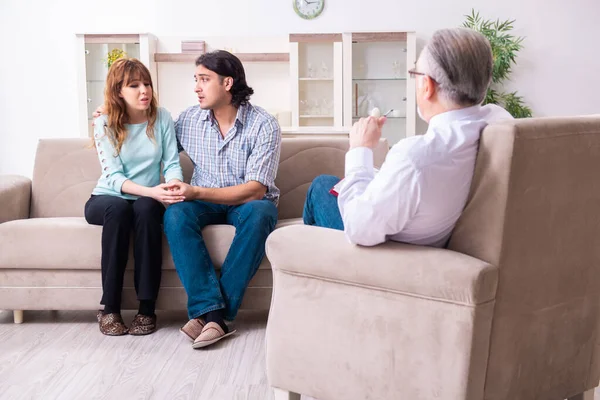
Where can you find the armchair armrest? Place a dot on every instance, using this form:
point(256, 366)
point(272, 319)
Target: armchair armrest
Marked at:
point(15, 197)
point(417, 271)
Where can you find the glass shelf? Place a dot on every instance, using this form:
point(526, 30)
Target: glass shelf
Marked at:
point(377, 79)
point(316, 116)
point(365, 116)
point(95, 81)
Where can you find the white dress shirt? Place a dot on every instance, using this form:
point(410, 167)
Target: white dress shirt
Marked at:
point(421, 188)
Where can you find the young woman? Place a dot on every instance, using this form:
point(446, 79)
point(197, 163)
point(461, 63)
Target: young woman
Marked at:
point(132, 139)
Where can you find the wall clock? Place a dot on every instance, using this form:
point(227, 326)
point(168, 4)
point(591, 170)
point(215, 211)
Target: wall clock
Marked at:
point(308, 9)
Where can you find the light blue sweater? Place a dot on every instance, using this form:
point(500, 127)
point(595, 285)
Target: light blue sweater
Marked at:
point(140, 158)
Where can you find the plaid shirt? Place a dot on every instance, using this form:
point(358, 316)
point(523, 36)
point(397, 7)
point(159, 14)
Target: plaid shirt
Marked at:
point(249, 152)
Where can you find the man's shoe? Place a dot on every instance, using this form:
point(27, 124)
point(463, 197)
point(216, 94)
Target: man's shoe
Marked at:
point(193, 328)
point(211, 333)
point(142, 325)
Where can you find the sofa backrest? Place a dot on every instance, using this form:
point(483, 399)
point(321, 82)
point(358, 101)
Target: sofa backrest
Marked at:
point(67, 170)
point(534, 211)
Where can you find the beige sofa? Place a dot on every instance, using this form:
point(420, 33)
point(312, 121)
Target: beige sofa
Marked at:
point(50, 256)
point(510, 311)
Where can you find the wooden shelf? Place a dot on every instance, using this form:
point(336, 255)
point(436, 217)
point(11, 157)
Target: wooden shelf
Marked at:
point(366, 116)
point(362, 37)
point(316, 79)
point(314, 130)
point(244, 57)
point(377, 79)
point(109, 38)
point(315, 37)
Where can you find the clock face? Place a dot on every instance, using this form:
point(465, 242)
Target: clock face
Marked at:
point(308, 9)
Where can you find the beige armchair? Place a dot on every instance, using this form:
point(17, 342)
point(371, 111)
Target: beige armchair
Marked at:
point(509, 311)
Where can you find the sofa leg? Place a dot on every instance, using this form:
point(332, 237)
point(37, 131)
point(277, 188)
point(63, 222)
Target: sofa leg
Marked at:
point(18, 316)
point(281, 394)
point(589, 395)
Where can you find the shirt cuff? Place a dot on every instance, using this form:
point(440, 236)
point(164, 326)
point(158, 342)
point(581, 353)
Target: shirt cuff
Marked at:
point(118, 182)
point(173, 175)
point(257, 178)
point(359, 159)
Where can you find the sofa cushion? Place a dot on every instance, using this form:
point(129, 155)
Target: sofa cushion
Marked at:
point(72, 243)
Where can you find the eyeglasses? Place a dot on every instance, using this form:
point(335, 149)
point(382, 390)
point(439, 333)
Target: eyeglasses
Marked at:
point(412, 73)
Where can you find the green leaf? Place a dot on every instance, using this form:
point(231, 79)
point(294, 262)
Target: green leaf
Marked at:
point(515, 105)
point(505, 47)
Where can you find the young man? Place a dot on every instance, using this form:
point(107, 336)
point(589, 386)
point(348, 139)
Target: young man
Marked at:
point(235, 148)
point(422, 187)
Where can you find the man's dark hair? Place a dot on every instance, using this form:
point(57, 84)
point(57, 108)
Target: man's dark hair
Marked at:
point(226, 64)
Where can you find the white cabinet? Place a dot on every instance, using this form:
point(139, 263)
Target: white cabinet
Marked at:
point(376, 75)
point(316, 81)
point(338, 78)
point(333, 79)
point(92, 68)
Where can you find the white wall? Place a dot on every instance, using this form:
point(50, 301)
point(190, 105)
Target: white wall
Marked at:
point(558, 71)
point(271, 82)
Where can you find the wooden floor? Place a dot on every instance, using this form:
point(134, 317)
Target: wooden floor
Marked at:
point(62, 355)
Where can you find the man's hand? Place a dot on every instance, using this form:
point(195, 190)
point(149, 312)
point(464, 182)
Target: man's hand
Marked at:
point(164, 195)
point(366, 132)
point(99, 111)
point(182, 189)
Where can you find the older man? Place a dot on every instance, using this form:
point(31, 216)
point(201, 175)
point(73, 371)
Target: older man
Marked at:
point(422, 187)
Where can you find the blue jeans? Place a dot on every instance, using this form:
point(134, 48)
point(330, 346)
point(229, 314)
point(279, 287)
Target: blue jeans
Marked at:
point(321, 207)
point(183, 223)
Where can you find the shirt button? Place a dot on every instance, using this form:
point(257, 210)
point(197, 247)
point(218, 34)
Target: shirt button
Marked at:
point(107, 175)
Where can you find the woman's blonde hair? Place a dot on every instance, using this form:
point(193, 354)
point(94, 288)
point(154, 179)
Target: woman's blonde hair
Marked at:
point(121, 73)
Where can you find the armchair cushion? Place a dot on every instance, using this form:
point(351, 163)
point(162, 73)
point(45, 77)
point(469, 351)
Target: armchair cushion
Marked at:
point(418, 271)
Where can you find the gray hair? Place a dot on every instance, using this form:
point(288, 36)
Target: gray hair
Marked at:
point(460, 61)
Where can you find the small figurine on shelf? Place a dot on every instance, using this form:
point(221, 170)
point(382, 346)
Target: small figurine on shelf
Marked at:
point(114, 55)
point(304, 107)
point(360, 71)
point(311, 71)
point(396, 69)
point(324, 70)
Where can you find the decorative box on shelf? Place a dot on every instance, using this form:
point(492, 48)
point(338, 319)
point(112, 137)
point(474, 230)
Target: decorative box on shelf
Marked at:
point(193, 46)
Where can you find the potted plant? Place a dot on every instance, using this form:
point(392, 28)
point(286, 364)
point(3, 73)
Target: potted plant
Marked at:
point(114, 55)
point(504, 50)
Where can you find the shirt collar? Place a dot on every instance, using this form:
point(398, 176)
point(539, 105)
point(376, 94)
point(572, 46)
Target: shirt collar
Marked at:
point(453, 115)
point(241, 113)
point(240, 116)
point(206, 115)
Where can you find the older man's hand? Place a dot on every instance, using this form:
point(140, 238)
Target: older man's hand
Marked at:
point(366, 132)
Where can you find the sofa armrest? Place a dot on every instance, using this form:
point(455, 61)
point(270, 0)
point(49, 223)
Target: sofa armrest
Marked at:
point(418, 271)
point(15, 197)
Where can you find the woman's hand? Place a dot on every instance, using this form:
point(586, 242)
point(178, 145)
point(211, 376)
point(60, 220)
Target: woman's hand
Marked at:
point(164, 195)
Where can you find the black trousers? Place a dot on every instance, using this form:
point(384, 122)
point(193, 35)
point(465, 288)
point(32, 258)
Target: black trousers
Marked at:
point(119, 217)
